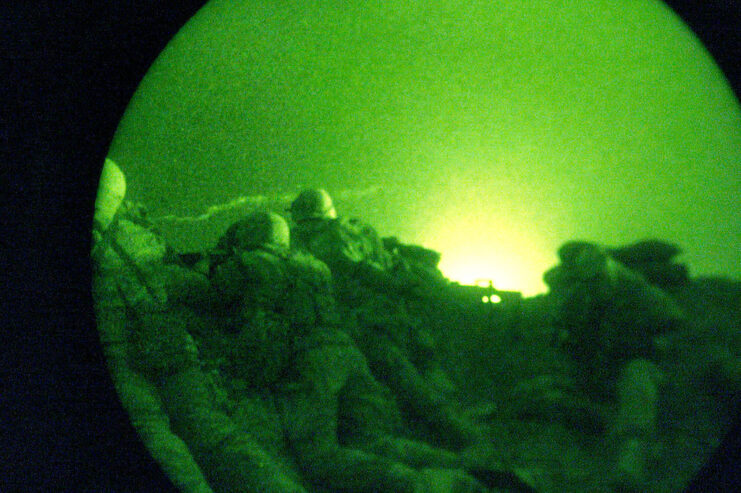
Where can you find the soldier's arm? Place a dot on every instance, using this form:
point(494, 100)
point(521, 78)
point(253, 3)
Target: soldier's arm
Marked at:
point(163, 351)
point(344, 252)
point(232, 460)
point(426, 404)
point(310, 417)
point(413, 453)
point(370, 419)
point(247, 278)
point(185, 286)
point(140, 397)
point(374, 276)
point(310, 413)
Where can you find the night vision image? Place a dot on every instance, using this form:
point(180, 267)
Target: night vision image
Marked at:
point(427, 247)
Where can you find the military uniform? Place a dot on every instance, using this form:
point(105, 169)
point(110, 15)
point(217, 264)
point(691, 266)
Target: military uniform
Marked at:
point(610, 316)
point(371, 283)
point(341, 424)
point(141, 397)
point(145, 322)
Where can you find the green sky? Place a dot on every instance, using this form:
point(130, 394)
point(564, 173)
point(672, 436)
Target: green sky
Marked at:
point(492, 131)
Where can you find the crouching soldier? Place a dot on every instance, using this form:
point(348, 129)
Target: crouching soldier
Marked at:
point(145, 323)
point(372, 283)
point(139, 396)
point(608, 316)
point(342, 426)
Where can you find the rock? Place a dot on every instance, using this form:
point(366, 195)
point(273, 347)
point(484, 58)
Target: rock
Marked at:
point(662, 274)
point(415, 253)
point(645, 251)
point(650, 258)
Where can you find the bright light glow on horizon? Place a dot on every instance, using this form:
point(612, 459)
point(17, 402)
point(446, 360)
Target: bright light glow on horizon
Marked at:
point(507, 276)
point(416, 96)
point(478, 247)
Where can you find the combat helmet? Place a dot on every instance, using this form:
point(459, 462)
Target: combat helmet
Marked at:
point(261, 229)
point(584, 260)
point(111, 192)
point(314, 203)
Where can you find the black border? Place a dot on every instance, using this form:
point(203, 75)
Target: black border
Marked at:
point(71, 71)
